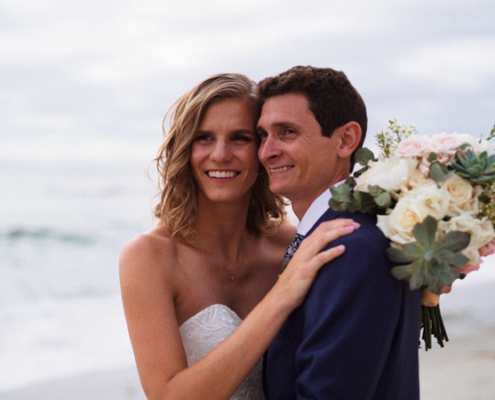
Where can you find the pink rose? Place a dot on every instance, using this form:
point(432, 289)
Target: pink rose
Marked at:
point(449, 143)
point(413, 146)
point(484, 251)
point(487, 249)
point(467, 268)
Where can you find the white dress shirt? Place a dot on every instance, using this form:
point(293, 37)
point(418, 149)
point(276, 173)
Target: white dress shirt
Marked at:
point(315, 211)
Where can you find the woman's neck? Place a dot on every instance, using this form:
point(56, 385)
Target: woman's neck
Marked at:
point(221, 228)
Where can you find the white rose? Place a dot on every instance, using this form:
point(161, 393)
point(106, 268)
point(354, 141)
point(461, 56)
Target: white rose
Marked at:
point(414, 207)
point(463, 196)
point(389, 173)
point(481, 231)
point(487, 146)
point(415, 180)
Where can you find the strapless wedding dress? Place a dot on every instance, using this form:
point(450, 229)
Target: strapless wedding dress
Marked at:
point(205, 330)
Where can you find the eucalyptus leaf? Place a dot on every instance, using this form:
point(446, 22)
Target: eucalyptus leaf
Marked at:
point(341, 193)
point(383, 200)
point(335, 205)
point(432, 157)
point(363, 156)
point(439, 172)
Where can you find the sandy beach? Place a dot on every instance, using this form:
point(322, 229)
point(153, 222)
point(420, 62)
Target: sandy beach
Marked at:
point(463, 370)
point(109, 385)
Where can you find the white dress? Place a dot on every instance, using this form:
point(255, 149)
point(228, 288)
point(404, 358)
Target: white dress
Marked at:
point(205, 330)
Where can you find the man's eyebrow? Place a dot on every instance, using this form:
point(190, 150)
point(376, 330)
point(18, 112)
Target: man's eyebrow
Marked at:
point(284, 124)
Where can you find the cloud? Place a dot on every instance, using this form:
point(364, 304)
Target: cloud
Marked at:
point(458, 65)
point(111, 67)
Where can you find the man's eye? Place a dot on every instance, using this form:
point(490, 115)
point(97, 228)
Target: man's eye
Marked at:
point(289, 131)
point(262, 135)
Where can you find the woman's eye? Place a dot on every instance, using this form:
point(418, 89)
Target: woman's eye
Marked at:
point(201, 137)
point(242, 138)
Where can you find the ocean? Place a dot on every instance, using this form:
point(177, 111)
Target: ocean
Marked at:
point(66, 210)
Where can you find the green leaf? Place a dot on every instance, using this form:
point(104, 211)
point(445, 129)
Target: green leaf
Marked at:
point(383, 200)
point(418, 274)
point(365, 203)
point(439, 172)
point(363, 156)
point(397, 256)
point(432, 157)
point(342, 199)
point(454, 241)
point(414, 251)
point(425, 232)
point(459, 260)
point(402, 272)
point(341, 193)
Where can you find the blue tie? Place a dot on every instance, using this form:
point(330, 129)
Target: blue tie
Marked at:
point(293, 246)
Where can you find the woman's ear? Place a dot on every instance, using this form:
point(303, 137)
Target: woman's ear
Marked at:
point(350, 137)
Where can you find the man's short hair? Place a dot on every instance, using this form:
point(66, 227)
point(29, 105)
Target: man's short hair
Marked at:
point(332, 98)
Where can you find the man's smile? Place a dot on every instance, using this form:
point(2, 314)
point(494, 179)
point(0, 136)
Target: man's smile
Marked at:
point(280, 169)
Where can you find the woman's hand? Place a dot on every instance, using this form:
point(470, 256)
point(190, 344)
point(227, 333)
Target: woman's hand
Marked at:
point(294, 283)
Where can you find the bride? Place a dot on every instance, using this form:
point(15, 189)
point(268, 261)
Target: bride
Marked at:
point(201, 292)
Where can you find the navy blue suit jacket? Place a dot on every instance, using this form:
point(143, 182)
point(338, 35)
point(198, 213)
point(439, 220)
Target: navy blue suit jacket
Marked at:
point(356, 334)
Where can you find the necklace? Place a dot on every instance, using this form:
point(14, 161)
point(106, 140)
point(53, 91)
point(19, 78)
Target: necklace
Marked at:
point(241, 266)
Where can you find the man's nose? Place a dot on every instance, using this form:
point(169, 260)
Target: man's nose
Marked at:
point(268, 149)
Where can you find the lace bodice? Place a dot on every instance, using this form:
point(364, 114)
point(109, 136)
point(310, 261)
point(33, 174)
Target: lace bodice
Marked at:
point(205, 330)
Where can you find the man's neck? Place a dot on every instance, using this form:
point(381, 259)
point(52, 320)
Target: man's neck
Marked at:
point(301, 205)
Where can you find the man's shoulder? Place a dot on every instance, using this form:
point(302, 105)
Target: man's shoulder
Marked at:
point(368, 228)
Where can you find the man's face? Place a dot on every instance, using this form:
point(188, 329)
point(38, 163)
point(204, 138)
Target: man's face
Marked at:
point(299, 160)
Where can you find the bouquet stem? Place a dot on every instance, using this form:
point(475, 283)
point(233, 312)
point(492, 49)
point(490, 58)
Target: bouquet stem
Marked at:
point(432, 324)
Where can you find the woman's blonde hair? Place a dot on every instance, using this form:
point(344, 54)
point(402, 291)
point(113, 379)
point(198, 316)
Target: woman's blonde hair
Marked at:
point(177, 207)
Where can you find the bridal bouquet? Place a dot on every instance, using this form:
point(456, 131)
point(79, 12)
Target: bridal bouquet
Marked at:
point(434, 198)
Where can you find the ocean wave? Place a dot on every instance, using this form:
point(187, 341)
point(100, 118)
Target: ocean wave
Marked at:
point(47, 234)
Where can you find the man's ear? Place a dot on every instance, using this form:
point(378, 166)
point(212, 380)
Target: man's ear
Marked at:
point(350, 137)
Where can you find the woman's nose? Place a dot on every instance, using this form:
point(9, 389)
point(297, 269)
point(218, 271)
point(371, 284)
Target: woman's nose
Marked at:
point(221, 151)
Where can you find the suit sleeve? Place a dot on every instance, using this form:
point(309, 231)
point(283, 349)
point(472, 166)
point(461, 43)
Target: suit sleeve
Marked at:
point(348, 323)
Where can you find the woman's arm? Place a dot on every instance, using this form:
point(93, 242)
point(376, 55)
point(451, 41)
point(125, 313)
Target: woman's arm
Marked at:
point(149, 307)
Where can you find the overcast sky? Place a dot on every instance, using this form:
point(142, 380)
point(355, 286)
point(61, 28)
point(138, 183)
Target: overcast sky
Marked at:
point(71, 70)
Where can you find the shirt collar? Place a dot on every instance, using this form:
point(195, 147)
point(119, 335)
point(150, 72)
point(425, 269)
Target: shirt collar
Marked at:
point(315, 211)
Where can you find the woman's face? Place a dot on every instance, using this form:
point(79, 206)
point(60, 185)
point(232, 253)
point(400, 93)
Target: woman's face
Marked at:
point(224, 157)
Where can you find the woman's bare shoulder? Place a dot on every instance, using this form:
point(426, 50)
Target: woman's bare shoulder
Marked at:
point(148, 250)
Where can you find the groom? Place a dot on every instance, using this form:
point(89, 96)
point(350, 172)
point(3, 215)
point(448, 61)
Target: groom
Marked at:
point(356, 334)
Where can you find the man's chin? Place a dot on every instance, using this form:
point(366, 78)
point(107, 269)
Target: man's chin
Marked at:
point(281, 190)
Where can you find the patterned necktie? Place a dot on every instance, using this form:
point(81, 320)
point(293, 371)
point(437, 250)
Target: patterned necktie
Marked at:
point(293, 246)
